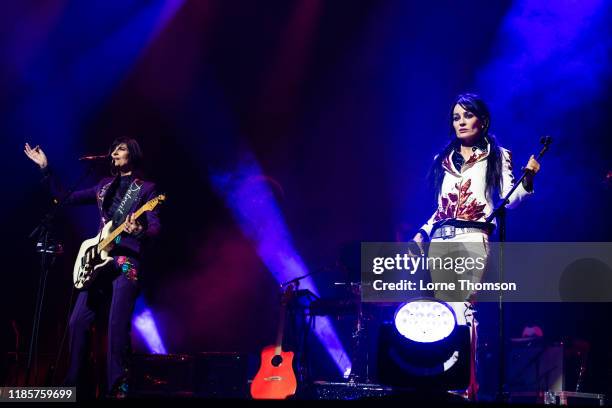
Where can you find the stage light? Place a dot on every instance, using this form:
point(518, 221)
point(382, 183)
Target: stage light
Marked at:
point(424, 348)
point(425, 321)
point(145, 325)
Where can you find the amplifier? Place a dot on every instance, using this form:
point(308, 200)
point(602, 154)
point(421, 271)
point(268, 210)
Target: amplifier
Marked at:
point(221, 375)
point(535, 366)
point(163, 375)
point(324, 390)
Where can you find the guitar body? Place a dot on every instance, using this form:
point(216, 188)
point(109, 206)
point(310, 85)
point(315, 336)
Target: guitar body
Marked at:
point(275, 378)
point(90, 261)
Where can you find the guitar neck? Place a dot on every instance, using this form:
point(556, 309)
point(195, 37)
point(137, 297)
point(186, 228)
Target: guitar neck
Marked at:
point(111, 237)
point(279, 334)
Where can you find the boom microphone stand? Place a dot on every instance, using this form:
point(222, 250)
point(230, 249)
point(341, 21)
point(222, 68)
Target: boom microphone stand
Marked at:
point(500, 213)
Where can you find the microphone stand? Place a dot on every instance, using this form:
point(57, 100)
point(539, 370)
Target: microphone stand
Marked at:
point(46, 246)
point(500, 213)
point(303, 371)
point(297, 280)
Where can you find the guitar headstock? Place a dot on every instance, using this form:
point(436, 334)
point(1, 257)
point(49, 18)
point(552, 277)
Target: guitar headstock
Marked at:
point(151, 204)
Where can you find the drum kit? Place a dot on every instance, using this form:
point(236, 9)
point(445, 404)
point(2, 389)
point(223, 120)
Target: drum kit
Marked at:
point(355, 322)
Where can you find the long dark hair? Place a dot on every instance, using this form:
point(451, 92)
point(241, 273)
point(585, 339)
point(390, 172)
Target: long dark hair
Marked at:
point(135, 154)
point(475, 104)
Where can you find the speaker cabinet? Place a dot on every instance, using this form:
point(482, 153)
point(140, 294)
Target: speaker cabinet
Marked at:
point(221, 375)
point(169, 375)
point(535, 366)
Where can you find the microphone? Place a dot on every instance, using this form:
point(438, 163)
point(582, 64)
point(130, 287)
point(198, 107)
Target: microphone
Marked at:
point(98, 157)
point(546, 140)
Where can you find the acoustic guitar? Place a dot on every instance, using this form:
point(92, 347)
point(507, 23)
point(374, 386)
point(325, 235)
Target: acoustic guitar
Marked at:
point(276, 378)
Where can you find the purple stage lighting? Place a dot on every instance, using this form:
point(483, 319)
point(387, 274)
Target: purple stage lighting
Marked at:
point(144, 323)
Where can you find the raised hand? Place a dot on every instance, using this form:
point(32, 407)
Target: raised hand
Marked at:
point(533, 165)
point(37, 155)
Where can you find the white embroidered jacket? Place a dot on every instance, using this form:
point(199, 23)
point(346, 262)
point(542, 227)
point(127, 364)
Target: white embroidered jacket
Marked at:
point(462, 195)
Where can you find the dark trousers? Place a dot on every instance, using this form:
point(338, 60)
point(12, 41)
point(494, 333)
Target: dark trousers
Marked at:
point(91, 305)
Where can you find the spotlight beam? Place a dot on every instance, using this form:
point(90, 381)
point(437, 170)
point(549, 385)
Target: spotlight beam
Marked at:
point(253, 204)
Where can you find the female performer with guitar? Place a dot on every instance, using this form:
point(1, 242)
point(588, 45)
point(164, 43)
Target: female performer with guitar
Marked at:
point(118, 282)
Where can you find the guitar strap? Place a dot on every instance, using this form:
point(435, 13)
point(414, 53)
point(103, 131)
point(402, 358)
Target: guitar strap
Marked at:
point(127, 202)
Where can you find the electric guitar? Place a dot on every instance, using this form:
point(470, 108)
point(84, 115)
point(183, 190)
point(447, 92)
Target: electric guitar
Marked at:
point(93, 255)
point(275, 378)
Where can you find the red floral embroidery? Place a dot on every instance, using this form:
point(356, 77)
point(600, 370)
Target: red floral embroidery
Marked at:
point(474, 158)
point(448, 166)
point(460, 205)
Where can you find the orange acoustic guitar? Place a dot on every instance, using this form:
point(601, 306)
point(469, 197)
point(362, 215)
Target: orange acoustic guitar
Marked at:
point(275, 378)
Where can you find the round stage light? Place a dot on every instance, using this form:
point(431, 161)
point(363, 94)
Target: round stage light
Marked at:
point(425, 320)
